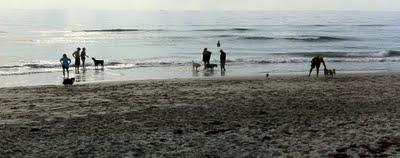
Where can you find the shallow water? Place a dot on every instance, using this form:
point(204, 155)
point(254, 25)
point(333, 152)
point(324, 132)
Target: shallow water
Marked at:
point(162, 44)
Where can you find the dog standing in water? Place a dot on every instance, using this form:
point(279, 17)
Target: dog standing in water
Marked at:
point(98, 62)
point(211, 66)
point(195, 65)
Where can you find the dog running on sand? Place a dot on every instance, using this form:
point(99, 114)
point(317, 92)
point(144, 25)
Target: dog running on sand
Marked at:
point(98, 62)
point(330, 73)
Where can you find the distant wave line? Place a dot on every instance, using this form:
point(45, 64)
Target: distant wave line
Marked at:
point(306, 38)
point(118, 30)
point(223, 30)
point(333, 54)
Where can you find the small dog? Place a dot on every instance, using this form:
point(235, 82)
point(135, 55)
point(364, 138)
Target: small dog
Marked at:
point(330, 73)
point(69, 81)
point(98, 62)
point(195, 65)
point(211, 66)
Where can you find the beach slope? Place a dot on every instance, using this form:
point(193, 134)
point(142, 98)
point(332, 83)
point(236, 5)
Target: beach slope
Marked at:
point(356, 115)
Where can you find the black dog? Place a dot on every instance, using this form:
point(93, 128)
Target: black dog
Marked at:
point(211, 66)
point(69, 81)
point(98, 62)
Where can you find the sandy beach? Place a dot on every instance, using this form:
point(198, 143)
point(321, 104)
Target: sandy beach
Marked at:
point(282, 116)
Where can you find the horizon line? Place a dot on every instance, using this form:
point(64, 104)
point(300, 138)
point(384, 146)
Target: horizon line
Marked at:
point(199, 10)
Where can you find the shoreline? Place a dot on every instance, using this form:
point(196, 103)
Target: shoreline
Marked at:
point(189, 74)
point(351, 115)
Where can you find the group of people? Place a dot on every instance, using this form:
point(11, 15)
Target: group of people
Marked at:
point(207, 57)
point(80, 57)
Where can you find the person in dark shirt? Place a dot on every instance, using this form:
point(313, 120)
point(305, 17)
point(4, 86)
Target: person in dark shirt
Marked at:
point(83, 57)
point(316, 62)
point(222, 58)
point(205, 57)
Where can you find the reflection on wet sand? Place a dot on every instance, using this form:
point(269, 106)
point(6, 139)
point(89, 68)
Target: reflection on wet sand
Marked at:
point(88, 75)
point(195, 73)
point(206, 73)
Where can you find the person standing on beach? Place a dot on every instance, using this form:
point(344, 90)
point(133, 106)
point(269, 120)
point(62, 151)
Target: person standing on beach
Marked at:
point(65, 61)
point(222, 58)
point(77, 57)
point(316, 62)
point(83, 57)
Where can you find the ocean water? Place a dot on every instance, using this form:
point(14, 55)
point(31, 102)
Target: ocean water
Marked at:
point(162, 44)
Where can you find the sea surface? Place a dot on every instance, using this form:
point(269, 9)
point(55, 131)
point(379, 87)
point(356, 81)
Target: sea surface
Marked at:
point(141, 45)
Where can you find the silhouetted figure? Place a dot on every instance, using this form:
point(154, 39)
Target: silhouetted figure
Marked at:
point(77, 57)
point(206, 57)
point(65, 61)
point(83, 57)
point(222, 58)
point(316, 62)
point(219, 44)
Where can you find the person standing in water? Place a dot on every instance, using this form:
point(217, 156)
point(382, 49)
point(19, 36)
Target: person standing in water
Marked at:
point(83, 57)
point(218, 44)
point(206, 57)
point(222, 58)
point(77, 57)
point(316, 62)
point(65, 61)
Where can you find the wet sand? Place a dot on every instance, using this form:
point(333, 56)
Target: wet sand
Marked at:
point(289, 116)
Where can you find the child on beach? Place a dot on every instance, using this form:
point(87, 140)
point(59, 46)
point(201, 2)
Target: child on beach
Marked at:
point(65, 61)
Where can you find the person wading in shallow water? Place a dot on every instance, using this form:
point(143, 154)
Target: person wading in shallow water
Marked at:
point(77, 57)
point(65, 61)
point(222, 58)
point(316, 62)
point(83, 57)
point(206, 57)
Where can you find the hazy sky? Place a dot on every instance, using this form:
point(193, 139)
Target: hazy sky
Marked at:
point(382, 5)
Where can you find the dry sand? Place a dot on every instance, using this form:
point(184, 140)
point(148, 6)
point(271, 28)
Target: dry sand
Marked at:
point(287, 116)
